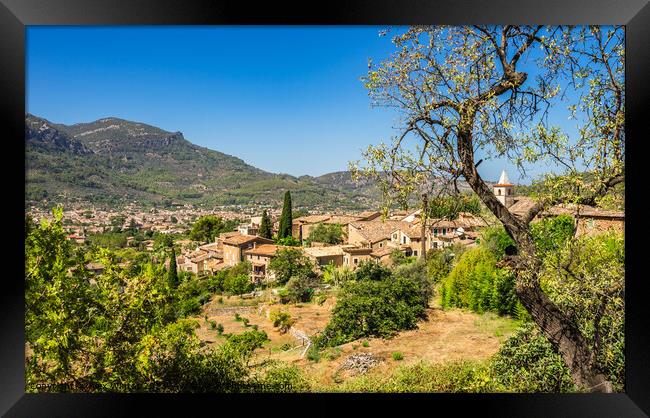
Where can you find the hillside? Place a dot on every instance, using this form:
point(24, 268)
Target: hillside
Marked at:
point(113, 161)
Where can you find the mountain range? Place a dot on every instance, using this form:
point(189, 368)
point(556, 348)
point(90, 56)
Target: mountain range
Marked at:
point(112, 162)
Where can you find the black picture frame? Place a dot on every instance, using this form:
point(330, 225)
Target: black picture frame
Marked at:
point(15, 15)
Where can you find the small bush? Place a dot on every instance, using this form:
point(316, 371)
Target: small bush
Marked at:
point(313, 354)
point(526, 362)
point(282, 320)
point(213, 325)
point(397, 356)
point(219, 329)
point(365, 343)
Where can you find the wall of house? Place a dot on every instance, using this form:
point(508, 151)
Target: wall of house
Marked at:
point(325, 260)
point(594, 226)
point(295, 230)
point(354, 237)
point(231, 254)
point(353, 260)
point(380, 244)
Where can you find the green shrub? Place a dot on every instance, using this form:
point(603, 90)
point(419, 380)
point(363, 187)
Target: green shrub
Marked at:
point(285, 347)
point(213, 325)
point(320, 299)
point(238, 284)
point(299, 289)
point(397, 356)
point(375, 305)
point(449, 377)
point(281, 320)
point(284, 378)
point(496, 240)
point(313, 354)
point(365, 343)
point(526, 362)
point(246, 342)
point(476, 283)
point(219, 329)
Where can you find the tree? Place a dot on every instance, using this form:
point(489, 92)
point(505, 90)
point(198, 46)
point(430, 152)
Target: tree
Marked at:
point(172, 274)
point(463, 90)
point(265, 226)
point(207, 228)
point(284, 229)
point(326, 233)
point(290, 262)
point(237, 284)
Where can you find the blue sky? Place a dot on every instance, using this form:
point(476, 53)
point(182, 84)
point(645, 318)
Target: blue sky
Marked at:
point(283, 99)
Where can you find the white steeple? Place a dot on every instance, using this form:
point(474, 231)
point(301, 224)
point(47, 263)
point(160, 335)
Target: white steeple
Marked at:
point(504, 178)
point(503, 190)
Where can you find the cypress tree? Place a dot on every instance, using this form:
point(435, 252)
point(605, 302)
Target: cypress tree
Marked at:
point(285, 220)
point(172, 274)
point(265, 226)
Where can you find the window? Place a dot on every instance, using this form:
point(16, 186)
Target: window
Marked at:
point(435, 231)
point(415, 252)
point(498, 192)
point(356, 261)
point(381, 244)
point(404, 240)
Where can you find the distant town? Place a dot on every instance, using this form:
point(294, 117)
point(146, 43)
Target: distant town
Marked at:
point(366, 235)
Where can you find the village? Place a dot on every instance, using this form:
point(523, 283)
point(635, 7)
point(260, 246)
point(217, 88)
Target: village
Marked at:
point(366, 235)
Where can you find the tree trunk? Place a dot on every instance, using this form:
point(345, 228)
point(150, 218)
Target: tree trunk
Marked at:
point(423, 229)
point(559, 328)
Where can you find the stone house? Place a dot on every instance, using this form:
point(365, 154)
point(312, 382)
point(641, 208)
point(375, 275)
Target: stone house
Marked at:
point(260, 256)
point(322, 256)
point(374, 234)
point(352, 256)
point(233, 247)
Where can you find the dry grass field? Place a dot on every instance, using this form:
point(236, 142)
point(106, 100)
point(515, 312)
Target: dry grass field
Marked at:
point(445, 335)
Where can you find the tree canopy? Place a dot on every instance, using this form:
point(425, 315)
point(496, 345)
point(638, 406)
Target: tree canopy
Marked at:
point(286, 218)
point(466, 94)
point(207, 228)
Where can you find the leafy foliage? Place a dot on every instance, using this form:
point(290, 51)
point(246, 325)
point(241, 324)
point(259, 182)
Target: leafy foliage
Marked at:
point(172, 273)
point(476, 283)
point(299, 289)
point(586, 278)
point(289, 263)
point(120, 332)
point(284, 229)
point(282, 320)
point(526, 362)
point(326, 233)
point(337, 275)
point(208, 227)
point(377, 303)
point(266, 229)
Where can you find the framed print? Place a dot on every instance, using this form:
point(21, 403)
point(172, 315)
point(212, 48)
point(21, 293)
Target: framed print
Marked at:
point(419, 202)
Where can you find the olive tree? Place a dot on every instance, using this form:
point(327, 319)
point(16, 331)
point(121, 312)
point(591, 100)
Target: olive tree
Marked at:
point(465, 94)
